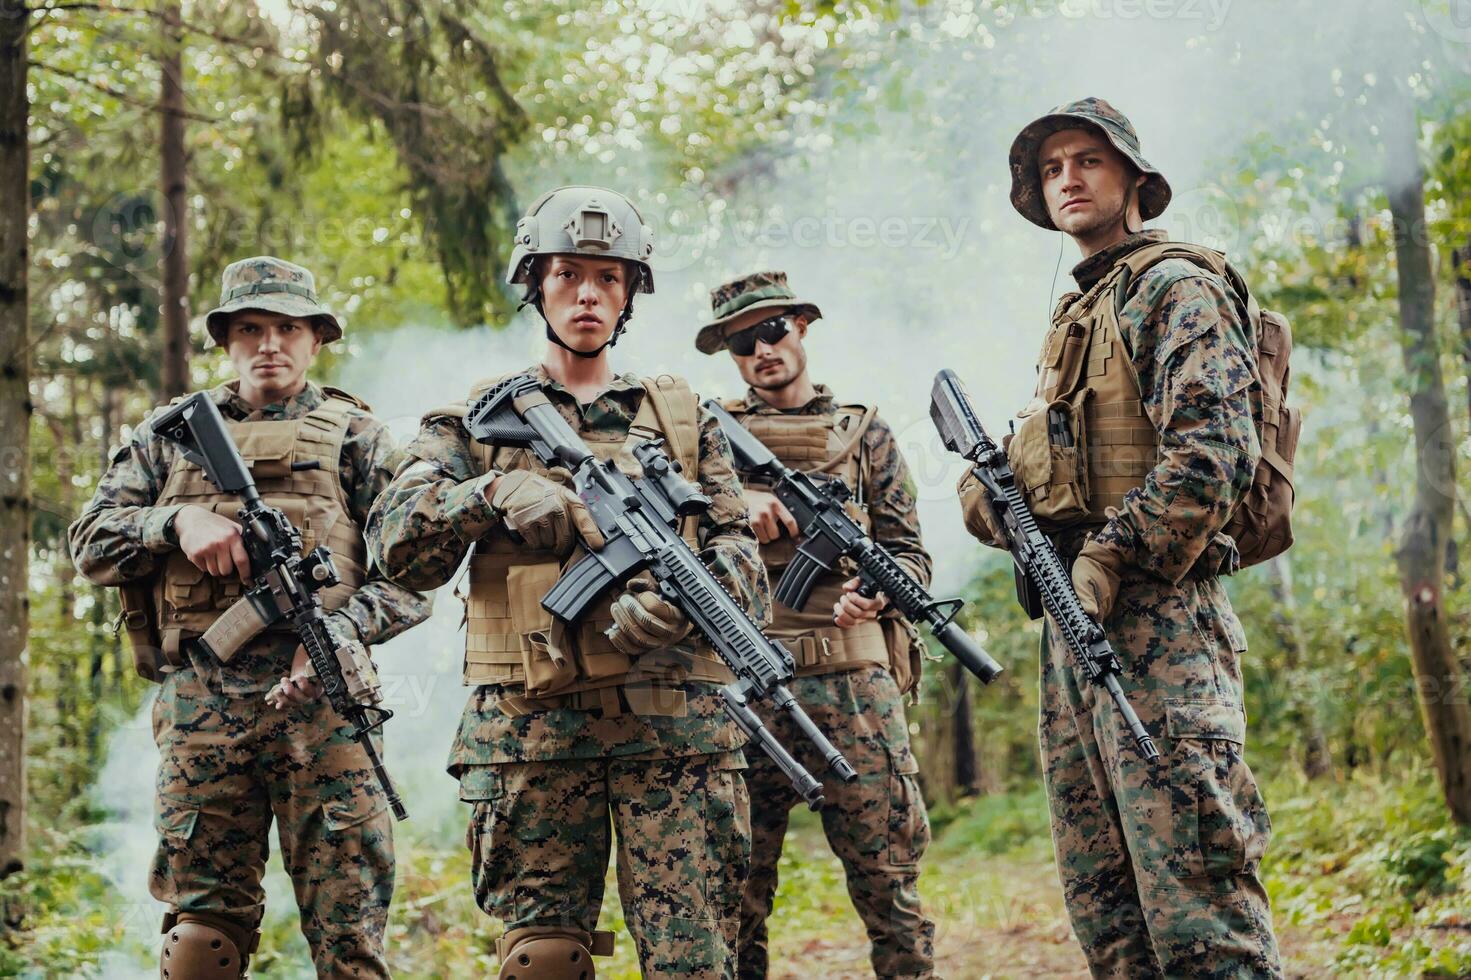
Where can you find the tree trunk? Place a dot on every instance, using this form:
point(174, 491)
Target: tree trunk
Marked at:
point(1461, 261)
point(962, 735)
point(1427, 528)
point(15, 425)
point(175, 261)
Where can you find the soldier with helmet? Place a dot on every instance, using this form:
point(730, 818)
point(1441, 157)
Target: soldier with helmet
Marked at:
point(855, 659)
point(612, 726)
point(242, 736)
point(1138, 453)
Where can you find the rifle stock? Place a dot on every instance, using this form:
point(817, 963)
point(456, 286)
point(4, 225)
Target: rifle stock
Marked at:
point(282, 579)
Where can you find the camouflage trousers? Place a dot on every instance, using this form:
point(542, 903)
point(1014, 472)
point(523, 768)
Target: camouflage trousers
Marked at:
point(227, 767)
point(876, 825)
point(1158, 861)
point(539, 838)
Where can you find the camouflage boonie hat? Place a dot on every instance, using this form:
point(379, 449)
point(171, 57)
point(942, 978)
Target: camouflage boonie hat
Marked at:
point(1026, 183)
point(737, 302)
point(265, 282)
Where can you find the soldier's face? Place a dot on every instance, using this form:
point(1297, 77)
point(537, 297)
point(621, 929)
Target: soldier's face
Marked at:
point(777, 365)
point(271, 352)
point(1085, 182)
point(583, 297)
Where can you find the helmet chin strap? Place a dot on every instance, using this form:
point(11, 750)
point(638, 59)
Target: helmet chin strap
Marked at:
point(533, 298)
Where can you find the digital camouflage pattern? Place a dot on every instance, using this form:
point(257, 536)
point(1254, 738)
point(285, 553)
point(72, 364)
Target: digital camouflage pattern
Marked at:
point(535, 776)
point(876, 825)
point(1195, 360)
point(228, 763)
point(274, 285)
point(119, 537)
point(1159, 861)
point(539, 839)
point(1089, 113)
point(228, 766)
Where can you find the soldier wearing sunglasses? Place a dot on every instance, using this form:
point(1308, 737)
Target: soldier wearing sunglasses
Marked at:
point(856, 659)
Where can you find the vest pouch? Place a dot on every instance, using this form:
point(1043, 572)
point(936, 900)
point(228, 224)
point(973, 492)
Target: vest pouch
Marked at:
point(1062, 360)
point(1048, 455)
point(547, 655)
point(906, 651)
point(268, 450)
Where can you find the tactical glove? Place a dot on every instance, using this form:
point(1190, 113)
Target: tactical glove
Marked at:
point(643, 620)
point(979, 515)
point(546, 515)
point(1096, 579)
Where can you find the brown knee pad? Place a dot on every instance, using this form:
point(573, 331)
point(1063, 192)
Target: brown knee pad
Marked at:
point(205, 946)
point(551, 953)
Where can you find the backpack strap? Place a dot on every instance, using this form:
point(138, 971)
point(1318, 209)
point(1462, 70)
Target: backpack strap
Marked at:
point(1141, 259)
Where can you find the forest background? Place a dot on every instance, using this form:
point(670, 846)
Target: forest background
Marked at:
point(389, 146)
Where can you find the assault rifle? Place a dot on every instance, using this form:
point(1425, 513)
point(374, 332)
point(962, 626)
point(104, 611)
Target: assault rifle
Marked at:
point(284, 583)
point(637, 519)
point(828, 534)
point(1035, 557)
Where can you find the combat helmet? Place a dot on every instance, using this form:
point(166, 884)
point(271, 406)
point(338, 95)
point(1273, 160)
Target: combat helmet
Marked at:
point(582, 220)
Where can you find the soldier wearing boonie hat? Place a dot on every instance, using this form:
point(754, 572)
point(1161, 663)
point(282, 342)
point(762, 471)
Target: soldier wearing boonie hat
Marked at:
point(741, 302)
point(230, 761)
point(265, 282)
point(1150, 365)
point(856, 659)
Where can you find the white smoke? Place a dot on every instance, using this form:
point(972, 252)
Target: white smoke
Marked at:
point(893, 216)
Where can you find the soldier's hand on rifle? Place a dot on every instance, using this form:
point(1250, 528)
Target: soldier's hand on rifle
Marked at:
point(978, 512)
point(1096, 579)
point(212, 542)
point(769, 516)
point(852, 608)
point(546, 515)
point(644, 620)
point(300, 688)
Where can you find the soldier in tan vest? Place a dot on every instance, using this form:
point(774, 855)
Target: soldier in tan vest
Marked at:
point(241, 736)
point(615, 724)
point(1139, 446)
point(855, 660)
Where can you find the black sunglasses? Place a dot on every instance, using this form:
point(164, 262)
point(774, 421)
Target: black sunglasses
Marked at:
point(742, 343)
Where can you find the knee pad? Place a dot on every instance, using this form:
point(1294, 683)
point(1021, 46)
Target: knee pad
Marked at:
point(550, 953)
point(203, 946)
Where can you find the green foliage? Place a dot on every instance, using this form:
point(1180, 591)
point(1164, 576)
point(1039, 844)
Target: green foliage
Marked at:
point(1001, 824)
point(71, 915)
point(1376, 866)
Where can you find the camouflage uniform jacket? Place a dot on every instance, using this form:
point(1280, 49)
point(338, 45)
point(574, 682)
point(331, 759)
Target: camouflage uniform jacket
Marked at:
point(120, 535)
point(890, 492)
point(1195, 359)
point(425, 522)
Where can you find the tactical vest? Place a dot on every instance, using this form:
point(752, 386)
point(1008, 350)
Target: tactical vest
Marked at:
point(832, 446)
point(511, 640)
point(1084, 441)
point(296, 467)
